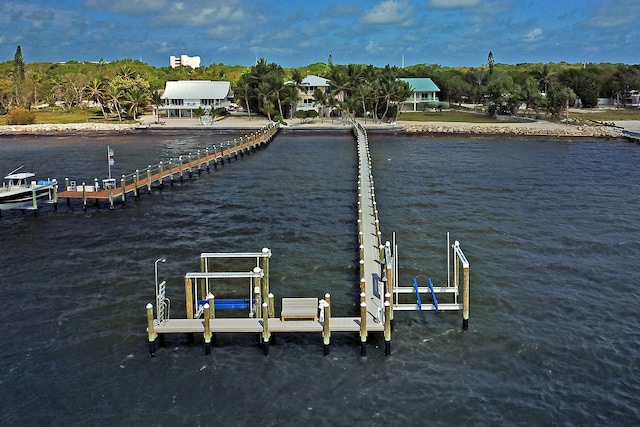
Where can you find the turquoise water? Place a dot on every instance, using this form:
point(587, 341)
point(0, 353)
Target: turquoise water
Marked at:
point(549, 227)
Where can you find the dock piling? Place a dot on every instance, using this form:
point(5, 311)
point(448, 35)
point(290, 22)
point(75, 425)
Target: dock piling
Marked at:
point(150, 330)
point(207, 329)
point(363, 328)
point(326, 327)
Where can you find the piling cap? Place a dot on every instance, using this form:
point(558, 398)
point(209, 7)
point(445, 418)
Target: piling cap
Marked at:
point(257, 270)
point(149, 306)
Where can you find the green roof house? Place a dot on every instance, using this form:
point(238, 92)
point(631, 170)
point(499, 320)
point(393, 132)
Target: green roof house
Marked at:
point(424, 90)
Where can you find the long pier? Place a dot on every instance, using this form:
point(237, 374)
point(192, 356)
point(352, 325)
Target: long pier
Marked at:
point(377, 284)
point(184, 165)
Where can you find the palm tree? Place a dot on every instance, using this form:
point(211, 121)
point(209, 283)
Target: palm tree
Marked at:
point(125, 72)
point(264, 93)
point(95, 93)
point(321, 99)
point(113, 97)
point(291, 97)
point(277, 90)
point(136, 98)
point(386, 93)
point(157, 101)
point(402, 92)
point(339, 84)
point(268, 108)
point(243, 90)
point(544, 77)
point(363, 93)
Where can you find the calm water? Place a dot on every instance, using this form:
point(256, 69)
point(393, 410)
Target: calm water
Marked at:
point(550, 228)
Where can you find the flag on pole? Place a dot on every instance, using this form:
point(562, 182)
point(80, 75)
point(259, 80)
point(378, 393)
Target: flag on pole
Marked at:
point(111, 161)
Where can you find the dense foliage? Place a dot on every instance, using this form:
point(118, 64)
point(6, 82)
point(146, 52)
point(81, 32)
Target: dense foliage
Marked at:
point(124, 88)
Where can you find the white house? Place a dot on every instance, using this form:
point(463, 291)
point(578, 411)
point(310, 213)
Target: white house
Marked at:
point(305, 92)
point(184, 61)
point(182, 97)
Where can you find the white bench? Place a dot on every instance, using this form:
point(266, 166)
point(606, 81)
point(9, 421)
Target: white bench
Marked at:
point(299, 308)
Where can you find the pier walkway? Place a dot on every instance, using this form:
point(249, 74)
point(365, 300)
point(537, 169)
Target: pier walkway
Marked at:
point(137, 181)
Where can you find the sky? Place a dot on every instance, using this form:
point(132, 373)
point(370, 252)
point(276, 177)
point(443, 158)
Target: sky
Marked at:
point(297, 33)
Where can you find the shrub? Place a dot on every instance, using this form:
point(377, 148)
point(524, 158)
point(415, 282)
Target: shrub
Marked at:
point(20, 116)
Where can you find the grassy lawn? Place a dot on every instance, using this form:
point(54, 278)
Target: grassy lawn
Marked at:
point(445, 116)
point(608, 115)
point(75, 115)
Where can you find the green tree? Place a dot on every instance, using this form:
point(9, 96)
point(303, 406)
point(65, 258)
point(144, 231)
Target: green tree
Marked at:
point(156, 101)
point(504, 96)
point(531, 95)
point(363, 94)
point(490, 62)
point(402, 91)
point(113, 96)
point(95, 92)
point(321, 99)
point(243, 91)
point(18, 73)
point(559, 98)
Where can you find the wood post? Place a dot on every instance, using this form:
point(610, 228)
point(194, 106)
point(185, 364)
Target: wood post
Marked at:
point(387, 324)
point(271, 306)
point(188, 296)
point(465, 298)
point(266, 335)
point(326, 329)
point(265, 270)
point(207, 328)
point(150, 330)
point(363, 328)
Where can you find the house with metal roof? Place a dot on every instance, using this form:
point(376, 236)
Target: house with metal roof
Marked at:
point(306, 89)
point(182, 97)
point(424, 90)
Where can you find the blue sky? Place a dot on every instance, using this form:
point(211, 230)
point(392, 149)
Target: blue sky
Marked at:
point(295, 33)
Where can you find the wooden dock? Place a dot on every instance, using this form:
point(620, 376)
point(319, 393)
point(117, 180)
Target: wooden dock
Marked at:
point(185, 165)
point(377, 285)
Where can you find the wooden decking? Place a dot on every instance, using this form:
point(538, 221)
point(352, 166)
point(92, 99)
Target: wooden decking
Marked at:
point(243, 325)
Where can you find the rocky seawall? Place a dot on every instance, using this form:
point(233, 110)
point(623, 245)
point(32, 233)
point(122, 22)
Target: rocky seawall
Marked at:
point(517, 129)
point(532, 129)
point(70, 128)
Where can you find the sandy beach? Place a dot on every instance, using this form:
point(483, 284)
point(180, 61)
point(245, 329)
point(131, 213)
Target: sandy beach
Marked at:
point(537, 128)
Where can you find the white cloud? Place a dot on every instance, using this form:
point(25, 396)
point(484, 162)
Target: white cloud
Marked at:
point(533, 35)
point(615, 14)
point(388, 12)
point(452, 4)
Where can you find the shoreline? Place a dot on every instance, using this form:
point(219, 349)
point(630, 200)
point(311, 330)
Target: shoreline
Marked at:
point(233, 124)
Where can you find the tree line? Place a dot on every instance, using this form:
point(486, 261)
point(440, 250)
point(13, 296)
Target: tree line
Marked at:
point(123, 88)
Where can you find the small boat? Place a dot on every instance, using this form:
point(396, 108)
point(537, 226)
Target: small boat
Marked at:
point(20, 190)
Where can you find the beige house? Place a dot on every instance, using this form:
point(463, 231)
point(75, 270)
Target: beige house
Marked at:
point(305, 92)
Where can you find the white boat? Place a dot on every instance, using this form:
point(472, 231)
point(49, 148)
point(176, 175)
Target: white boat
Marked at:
point(20, 190)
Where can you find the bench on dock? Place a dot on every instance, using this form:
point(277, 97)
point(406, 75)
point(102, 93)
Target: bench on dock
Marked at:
point(299, 308)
